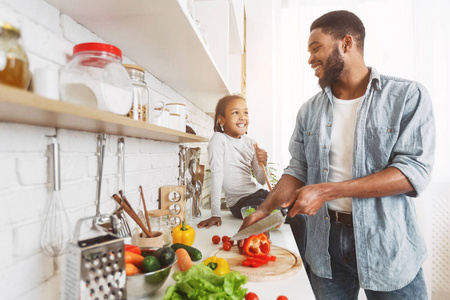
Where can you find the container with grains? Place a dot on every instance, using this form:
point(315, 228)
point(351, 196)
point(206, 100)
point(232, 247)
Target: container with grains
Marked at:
point(140, 106)
point(14, 69)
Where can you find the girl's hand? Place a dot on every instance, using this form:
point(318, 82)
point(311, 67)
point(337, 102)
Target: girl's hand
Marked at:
point(210, 222)
point(261, 155)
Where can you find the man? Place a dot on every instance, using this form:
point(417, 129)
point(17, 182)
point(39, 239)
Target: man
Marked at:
point(360, 149)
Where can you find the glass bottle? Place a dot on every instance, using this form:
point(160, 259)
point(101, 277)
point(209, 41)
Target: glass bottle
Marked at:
point(14, 69)
point(159, 221)
point(140, 106)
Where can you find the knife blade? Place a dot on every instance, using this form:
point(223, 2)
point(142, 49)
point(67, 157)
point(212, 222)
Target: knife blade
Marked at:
point(263, 225)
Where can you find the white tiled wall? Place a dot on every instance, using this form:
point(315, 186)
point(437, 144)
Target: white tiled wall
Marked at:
point(25, 272)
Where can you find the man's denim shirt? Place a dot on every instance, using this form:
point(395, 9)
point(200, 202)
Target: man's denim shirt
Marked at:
point(394, 128)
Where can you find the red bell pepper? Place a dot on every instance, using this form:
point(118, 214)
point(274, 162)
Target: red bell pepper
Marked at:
point(257, 260)
point(257, 245)
point(250, 264)
point(265, 257)
point(133, 248)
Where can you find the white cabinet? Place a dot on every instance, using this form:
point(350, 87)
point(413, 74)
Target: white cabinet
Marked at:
point(237, 26)
point(223, 20)
point(162, 37)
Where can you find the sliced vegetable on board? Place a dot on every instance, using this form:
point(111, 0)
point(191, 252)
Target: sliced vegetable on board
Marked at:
point(257, 245)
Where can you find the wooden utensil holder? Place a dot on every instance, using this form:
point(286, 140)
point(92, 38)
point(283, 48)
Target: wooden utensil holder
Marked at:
point(173, 198)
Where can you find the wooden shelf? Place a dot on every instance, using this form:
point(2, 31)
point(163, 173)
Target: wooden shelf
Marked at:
point(18, 106)
point(159, 35)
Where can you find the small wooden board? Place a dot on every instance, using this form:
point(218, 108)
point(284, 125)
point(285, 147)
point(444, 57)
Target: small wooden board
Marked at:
point(166, 202)
point(286, 265)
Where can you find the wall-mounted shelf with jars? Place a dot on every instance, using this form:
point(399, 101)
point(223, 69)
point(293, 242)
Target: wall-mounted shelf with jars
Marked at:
point(162, 36)
point(19, 106)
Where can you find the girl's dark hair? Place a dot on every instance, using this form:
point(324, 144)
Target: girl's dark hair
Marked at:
point(220, 109)
point(340, 23)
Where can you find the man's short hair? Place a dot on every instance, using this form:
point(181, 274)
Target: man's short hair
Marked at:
point(340, 23)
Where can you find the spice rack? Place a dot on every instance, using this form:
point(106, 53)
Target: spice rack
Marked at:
point(23, 107)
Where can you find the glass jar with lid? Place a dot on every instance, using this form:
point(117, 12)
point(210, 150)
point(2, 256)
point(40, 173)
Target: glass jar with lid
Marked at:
point(159, 221)
point(95, 77)
point(14, 69)
point(140, 105)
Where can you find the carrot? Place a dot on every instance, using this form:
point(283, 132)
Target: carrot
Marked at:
point(133, 258)
point(184, 260)
point(131, 269)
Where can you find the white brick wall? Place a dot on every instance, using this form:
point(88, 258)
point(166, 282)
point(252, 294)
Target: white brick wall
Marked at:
point(25, 272)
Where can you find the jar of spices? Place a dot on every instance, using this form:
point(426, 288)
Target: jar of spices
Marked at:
point(159, 221)
point(140, 105)
point(14, 69)
point(95, 77)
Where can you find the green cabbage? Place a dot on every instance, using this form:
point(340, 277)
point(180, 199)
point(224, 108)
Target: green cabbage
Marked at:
point(200, 283)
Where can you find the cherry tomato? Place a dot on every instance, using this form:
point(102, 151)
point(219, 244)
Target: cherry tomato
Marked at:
point(216, 239)
point(227, 246)
point(282, 298)
point(251, 296)
point(231, 242)
point(225, 238)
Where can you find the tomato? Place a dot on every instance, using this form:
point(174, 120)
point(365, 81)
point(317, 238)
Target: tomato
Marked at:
point(225, 238)
point(282, 298)
point(216, 239)
point(227, 246)
point(251, 296)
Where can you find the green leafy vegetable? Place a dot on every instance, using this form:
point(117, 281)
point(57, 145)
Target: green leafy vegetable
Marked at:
point(249, 211)
point(200, 283)
point(252, 210)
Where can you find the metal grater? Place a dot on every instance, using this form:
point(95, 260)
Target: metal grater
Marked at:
point(95, 264)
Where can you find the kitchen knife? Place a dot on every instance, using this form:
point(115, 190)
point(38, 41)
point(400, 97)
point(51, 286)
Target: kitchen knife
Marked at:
point(263, 225)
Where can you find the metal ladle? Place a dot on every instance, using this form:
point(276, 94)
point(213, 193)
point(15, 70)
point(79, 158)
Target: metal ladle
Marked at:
point(196, 203)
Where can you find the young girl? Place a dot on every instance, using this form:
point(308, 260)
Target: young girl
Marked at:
point(232, 156)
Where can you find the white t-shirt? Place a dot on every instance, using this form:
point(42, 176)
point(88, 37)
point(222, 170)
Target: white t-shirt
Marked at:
point(231, 161)
point(341, 149)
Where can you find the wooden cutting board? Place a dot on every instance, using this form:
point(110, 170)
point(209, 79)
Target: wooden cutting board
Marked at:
point(286, 265)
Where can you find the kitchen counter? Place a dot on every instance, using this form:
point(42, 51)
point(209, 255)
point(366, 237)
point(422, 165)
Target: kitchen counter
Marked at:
point(295, 287)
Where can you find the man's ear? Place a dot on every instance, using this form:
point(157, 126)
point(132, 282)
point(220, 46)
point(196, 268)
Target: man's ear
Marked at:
point(347, 43)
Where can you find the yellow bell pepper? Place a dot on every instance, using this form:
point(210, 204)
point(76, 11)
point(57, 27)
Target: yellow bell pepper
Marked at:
point(183, 234)
point(219, 265)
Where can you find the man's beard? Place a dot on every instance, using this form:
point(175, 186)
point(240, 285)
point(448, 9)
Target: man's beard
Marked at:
point(334, 67)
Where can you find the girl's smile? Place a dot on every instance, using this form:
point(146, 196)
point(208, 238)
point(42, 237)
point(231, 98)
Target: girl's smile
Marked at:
point(235, 121)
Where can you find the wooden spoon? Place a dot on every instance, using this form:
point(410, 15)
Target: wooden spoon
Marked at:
point(145, 209)
point(265, 176)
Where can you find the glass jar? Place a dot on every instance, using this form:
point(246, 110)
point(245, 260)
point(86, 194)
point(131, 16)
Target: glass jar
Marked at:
point(14, 69)
point(140, 104)
point(159, 221)
point(95, 77)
